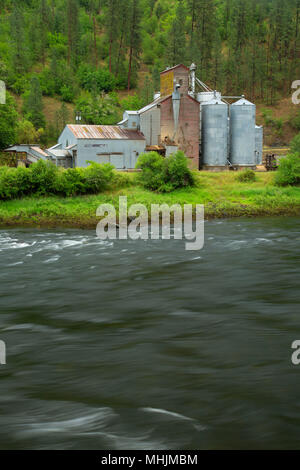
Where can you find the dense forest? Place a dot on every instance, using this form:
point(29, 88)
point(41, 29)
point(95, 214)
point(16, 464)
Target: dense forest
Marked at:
point(84, 52)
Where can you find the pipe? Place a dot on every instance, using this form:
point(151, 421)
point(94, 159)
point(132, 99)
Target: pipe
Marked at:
point(176, 108)
point(193, 78)
point(201, 84)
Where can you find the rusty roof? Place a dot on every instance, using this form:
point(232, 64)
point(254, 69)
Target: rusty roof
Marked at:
point(174, 67)
point(82, 131)
point(39, 150)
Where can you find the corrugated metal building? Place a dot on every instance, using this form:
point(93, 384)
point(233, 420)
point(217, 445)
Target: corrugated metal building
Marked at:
point(150, 122)
point(28, 154)
point(102, 144)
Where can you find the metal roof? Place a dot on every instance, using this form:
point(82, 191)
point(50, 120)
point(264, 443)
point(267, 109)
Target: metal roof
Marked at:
point(242, 102)
point(26, 148)
point(122, 122)
point(39, 150)
point(154, 103)
point(70, 147)
point(104, 132)
point(214, 101)
point(174, 67)
point(59, 153)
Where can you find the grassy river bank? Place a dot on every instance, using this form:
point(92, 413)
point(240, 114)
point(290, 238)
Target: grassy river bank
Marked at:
point(222, 195)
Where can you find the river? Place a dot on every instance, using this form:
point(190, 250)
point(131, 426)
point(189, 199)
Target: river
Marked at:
point(143, 345)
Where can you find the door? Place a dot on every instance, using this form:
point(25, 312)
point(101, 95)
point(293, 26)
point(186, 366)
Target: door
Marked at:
point(117, 160)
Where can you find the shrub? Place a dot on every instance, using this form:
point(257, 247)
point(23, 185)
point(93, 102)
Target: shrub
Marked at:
point(95, 80)
point(67, 93)
point(98, 109)
point(44, 176)
point(122, 180)
point(97, 177)
point(164, 174)
point(295, 144)
point(177, 172)
point(14, 182)
point(70, 182)
point(26, 132)
point(152, 166)
point(288, 171)
point(133, 102)
point(246, 176)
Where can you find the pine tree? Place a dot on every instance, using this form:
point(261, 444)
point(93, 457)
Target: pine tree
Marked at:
point(112, 26)
point(62, 117)
point(20, 53)
point(33, 105)
point(156, 78)
point(204, 33)
point(121, 47)
point(134, 39)
point(8, 121)
point(217, 63)
point(44, 14)
point(147, 91)
point(176, 52)
point(73, 31)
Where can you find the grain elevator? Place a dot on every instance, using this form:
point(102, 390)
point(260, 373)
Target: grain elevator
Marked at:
point(187, 115)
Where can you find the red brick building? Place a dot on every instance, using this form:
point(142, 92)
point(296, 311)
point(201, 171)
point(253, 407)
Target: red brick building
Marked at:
point(187, 134)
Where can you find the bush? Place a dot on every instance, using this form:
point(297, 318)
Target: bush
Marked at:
point(70, 182)
point(246, 176)
point(288, 171)
point(295, 144)
point(122, 180)
point(133, 102)
point(67, 93)
point(97, 177)
point(164, 174)
point(44, 178)
point(152, 166)
point(92, 79)
point(98, 109)
point(178, 175)
point(14, 182)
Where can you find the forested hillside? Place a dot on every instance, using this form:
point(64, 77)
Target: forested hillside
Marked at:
point(82, 52)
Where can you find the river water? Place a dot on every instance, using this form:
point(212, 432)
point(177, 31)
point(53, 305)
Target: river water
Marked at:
point(143, 345)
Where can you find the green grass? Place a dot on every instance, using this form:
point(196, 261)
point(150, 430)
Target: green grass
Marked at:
point(221, 193)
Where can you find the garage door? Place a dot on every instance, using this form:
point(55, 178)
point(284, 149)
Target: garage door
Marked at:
point(117, 160)
point(103, 158)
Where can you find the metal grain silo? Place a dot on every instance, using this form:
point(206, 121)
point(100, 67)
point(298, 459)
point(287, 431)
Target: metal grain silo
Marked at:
point(205, 96)
point(242, 133)
point(214, 140)
point(259, 137)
